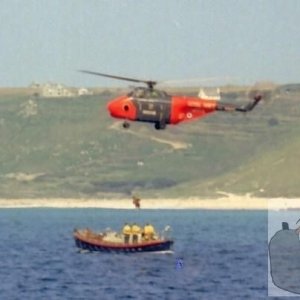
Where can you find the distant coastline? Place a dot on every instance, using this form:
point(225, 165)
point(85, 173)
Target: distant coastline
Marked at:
point(224, 203)
point(229, 202)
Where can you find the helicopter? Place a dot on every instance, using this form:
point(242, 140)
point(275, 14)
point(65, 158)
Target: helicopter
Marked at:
point(147, 104)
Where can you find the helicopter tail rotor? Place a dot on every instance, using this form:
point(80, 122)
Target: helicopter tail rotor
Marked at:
point(250, 105)
point(257, 97)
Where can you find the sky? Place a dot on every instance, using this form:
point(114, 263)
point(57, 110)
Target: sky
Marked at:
point(244, 41)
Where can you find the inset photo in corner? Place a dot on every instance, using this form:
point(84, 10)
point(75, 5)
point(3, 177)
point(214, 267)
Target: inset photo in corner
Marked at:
point(284, 247)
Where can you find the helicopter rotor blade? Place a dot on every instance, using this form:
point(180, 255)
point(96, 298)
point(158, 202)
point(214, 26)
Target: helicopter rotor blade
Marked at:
point(190, 81)
point(150, 83)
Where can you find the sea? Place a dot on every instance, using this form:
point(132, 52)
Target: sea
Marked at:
point(216, 255)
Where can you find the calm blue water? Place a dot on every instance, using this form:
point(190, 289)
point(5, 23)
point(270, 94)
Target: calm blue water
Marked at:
point(222, 255)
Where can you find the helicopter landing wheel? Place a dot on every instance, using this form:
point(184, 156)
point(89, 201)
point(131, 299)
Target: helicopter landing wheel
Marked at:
point(126, 125)
point(160, 125)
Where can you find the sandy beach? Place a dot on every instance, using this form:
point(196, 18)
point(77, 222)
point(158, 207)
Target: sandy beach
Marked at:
point(232, 202)
point(229, 202)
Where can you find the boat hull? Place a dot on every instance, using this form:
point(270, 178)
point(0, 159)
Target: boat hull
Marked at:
point(99, 246)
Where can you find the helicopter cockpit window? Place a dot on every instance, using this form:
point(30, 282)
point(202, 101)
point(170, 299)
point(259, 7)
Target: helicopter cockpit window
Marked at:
point(157, 94)
point(140, 93)
point(137, 93)
point(148, 93)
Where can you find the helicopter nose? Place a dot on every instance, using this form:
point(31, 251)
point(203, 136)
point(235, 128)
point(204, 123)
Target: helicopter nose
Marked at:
point(112, 107)
point(122, 108)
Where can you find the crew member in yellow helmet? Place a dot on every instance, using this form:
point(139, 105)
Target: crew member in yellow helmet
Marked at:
point(149, 232)
point(136, 233)
point(126, 232)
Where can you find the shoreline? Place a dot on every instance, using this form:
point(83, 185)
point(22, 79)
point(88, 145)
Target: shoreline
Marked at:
point(229, 202)
point(223, 203)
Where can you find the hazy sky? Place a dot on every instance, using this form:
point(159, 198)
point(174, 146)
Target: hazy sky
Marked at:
point(48, 40)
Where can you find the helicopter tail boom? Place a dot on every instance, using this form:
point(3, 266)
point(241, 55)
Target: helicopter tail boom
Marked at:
point(231, 107)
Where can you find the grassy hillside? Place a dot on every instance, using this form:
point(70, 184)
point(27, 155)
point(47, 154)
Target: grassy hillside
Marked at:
point(271, 174)
point(72, 148)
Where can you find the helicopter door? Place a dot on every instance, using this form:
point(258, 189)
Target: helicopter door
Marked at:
point(164, 113)
point(153, 110)
point(148, 112)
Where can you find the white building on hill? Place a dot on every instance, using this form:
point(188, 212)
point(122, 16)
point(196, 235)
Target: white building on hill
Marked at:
point(84, 92)
point(57, 90)
point(210, 94)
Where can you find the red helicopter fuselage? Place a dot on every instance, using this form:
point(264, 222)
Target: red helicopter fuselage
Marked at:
point(155, 106)
point(146, 104)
